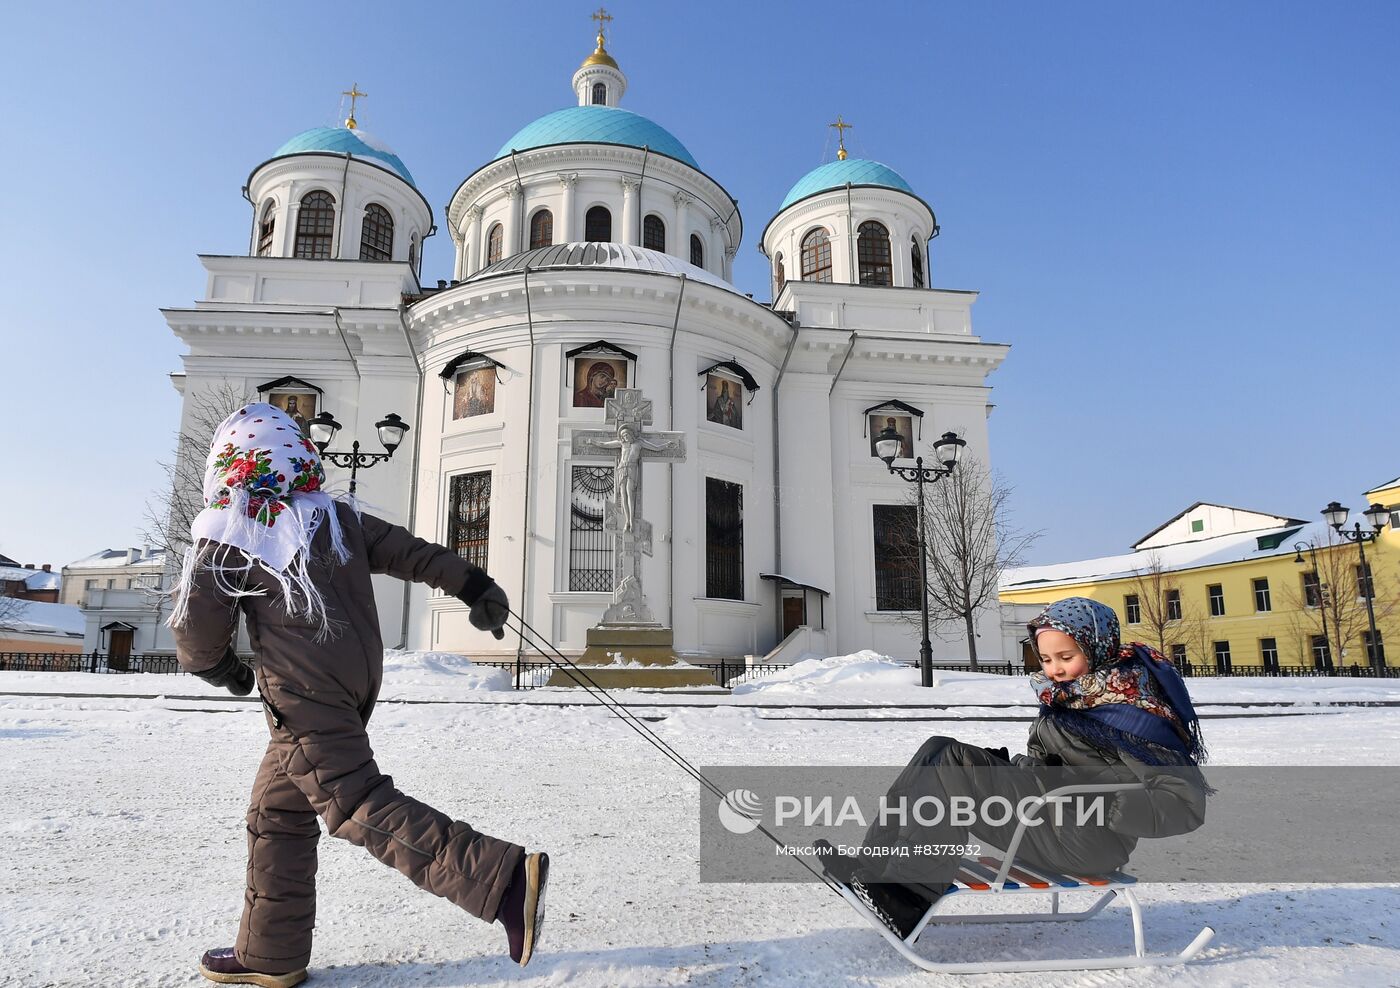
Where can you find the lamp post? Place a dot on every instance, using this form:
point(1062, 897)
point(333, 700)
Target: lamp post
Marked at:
point(1377, 515)
point(1298, 548)
point(946, 452)
point(323, 429)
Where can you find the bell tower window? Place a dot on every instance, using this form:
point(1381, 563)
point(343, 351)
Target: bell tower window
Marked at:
point(597, 225)
point(376, 234)
point(916, 263)
point(266, 225)
point(873, 254)
point(697, 251)
point(779, 274)
point(600, 94)
point(315, 226)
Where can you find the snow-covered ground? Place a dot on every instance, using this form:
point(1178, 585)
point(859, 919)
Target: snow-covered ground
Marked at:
point(124, 839)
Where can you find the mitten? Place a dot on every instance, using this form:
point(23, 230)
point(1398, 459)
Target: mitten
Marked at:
point(1001, 753)
point(489, 605)
point(232, 673)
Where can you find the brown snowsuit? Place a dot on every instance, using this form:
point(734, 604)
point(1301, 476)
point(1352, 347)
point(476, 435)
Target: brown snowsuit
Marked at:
point(318, 699)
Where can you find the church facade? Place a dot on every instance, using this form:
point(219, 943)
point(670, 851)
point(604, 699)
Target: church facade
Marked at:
point(594, 253)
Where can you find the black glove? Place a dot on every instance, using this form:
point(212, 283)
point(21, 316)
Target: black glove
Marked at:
point(1054, 760)
point(489, 604)
point(232, 673)
point(1001, 753)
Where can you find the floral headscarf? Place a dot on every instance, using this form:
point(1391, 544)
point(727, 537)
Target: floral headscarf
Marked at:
point(1131, 698)
point(264, 494)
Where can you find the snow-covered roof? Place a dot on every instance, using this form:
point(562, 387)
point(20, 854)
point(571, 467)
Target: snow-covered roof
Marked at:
point(34, 579)
point(42, 617)
point(114, 558)
point(1386, 486)
point(1233, 548)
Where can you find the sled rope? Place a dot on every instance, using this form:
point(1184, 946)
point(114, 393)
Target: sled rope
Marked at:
point(565, 664)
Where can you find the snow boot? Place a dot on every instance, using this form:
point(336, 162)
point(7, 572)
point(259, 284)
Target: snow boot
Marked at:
point(521, 910)
point(222, 965)
point(898, 909)
point(839, 867)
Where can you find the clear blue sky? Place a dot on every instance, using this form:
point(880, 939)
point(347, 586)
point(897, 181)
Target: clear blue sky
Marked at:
point(1182, 216)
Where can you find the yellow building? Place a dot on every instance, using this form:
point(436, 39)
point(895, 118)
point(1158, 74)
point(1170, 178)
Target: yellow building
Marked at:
point(1226, 588)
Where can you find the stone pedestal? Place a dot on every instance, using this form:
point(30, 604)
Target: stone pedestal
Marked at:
point(629, 656)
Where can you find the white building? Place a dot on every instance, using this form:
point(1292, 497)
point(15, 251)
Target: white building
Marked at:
point(592, 252)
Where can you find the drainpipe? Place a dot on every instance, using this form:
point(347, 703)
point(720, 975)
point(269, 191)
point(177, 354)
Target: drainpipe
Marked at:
point(417, 448)
point(522, 234)
point(529, 440)
point(253, 235)
point(641, 213)
point(335, 312)
point(340, 216)
point(670, 464)
point(851, 237)
point(777, 469)
point(847, 357)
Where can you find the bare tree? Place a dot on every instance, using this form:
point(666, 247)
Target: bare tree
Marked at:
point(971, 543)
point(1334, 606)
point(10, 610)
point(171, 512)
point(1164, 617)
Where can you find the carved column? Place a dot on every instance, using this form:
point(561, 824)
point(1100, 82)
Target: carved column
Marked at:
point(682, 226)
point(630, 226)
point(512, 224)
point(564, 227)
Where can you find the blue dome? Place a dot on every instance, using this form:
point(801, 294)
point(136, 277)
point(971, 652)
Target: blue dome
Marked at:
point(597, 125)
point(835, 174)
point(338, 140)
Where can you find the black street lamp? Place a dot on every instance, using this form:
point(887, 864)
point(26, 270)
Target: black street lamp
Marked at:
point(323, 429)
point(1298, 548)
point(946, 452)
point(1377, 515)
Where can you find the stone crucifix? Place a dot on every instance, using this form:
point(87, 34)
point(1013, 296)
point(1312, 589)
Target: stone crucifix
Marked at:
point(627, 411)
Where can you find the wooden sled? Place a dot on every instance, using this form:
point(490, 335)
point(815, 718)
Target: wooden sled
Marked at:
point(1001, 874)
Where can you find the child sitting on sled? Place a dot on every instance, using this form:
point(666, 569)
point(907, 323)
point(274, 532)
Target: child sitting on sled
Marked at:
point(1108, 713)
point(272, 544)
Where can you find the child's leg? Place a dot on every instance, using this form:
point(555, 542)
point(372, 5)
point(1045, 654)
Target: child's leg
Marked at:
point(279, 907)
point(331, 763)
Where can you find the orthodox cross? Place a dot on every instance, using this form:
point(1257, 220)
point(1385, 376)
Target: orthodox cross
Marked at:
point(602, 16)
point(627, 411)
point(841, 128)
point(354, 93)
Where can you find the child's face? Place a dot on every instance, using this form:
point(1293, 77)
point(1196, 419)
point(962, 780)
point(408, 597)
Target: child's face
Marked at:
point(1061, 658)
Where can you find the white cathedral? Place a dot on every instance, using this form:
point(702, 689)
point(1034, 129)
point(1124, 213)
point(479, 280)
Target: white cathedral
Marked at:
point(591, 253)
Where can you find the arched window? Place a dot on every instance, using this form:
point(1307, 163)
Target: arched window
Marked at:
point(873, 254)
point(541, 229)
point(600, 94)
point(697, 251)
point(413, 253)
point(816, 256)
point(597, 225)
point(377, 234)
point(779, 274)
point(315, 226)
point(653, 233)
point(265, 228)
point(495, 239)
point(916, 262)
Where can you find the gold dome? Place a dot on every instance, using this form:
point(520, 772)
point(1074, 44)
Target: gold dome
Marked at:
point(600, 56)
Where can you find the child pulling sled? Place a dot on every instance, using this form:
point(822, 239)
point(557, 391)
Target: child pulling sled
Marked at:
point(296, 562)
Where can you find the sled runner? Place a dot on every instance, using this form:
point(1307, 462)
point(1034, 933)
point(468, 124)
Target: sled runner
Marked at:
point(1000, 874)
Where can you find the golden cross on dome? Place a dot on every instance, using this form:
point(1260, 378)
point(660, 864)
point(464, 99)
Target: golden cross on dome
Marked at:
point(841, 128)
point(354, 93)
point(602, 16)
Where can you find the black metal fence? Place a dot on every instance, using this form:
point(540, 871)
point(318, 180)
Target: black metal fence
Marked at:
point(528, 674)
point(100, 662)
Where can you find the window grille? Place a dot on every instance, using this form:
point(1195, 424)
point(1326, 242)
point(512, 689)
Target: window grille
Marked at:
point(724, 539)
point(896, 557)
point(469, 516)
point(590, 548)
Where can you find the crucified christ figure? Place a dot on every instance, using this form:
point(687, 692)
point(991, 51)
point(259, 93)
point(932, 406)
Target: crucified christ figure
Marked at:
point(630, 443)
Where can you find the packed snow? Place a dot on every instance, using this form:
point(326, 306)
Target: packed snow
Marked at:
point(125, 835)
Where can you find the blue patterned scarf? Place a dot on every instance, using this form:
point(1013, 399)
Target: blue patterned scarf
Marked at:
point(1131, 699)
